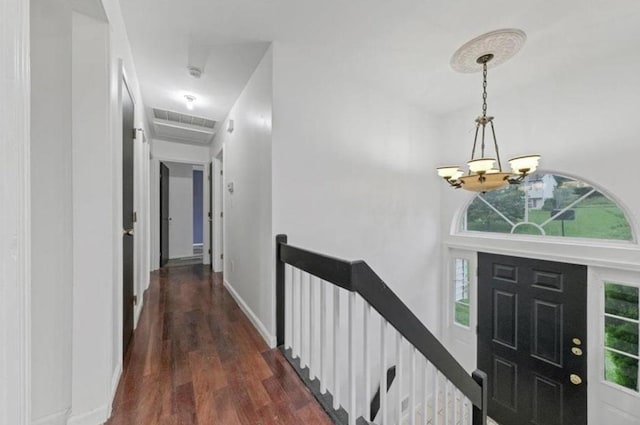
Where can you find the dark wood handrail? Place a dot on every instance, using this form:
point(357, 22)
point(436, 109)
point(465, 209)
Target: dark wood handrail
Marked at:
point(357, 276)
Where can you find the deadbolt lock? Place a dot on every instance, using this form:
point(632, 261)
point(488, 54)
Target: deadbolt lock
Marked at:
point(575, 379)
point(577, 351)
point(576, 341)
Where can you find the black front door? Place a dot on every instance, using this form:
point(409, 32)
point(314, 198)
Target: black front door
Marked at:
point(164, 214)
point(532, 339)
point(127, 217)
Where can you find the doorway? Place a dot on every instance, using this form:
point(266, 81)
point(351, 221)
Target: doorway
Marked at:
point(128, 129)
point(218, 208)
point(532, 331)
point(182, 213)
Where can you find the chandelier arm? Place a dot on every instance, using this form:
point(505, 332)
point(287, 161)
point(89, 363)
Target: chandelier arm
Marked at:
point(475, 140)
point(495, 143)
point(483, 127)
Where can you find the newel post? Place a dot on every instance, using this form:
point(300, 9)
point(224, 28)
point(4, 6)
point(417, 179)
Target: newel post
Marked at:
point(280, 291)
point(480, 413)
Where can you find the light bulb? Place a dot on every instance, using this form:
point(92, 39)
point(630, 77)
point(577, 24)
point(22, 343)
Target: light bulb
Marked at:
point(481, 165)
point(448, 171)
point(190, 101)
point(525, 163)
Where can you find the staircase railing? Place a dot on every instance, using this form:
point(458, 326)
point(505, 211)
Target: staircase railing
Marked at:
point(345, 359)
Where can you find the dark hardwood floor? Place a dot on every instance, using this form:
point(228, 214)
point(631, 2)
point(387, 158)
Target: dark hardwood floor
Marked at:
point(196, 359)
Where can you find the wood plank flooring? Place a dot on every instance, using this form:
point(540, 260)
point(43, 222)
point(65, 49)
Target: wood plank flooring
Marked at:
point(196, 359)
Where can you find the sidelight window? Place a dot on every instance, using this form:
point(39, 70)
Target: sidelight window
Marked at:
point(621, 325)
point(461, 291)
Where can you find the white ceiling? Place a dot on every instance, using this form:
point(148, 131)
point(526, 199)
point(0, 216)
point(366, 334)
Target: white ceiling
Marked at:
point(402, 47)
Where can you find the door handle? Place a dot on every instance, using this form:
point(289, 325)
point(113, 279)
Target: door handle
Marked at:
point(127, 232)
point(575, 379)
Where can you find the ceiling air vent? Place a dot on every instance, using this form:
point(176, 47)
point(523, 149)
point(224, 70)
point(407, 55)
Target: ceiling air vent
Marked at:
point(178, 127)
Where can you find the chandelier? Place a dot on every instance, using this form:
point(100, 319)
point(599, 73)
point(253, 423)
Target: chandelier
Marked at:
point(485, 172)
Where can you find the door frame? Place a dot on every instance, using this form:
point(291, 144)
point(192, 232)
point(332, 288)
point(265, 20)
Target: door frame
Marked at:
point(217, 192)
point(155, 206)
point(15, 234)
point(601, 258)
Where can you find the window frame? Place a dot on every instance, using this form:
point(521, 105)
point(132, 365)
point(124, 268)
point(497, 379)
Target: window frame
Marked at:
point(459, 223)
point(602, 348)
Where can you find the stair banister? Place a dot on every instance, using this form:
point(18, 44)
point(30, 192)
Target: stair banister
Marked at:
point(358, 278)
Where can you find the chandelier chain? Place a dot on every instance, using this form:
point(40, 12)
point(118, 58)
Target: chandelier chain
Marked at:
point(484, 90)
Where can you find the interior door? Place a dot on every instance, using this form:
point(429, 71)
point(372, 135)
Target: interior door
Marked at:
point(532, 339)
point(164, 214)
point(128, 130)
point(210, 214)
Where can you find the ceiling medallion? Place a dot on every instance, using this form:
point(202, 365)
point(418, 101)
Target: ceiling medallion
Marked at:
point(494, 48)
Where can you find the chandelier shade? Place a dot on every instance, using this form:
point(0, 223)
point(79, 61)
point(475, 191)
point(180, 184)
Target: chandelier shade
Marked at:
point(485, 173)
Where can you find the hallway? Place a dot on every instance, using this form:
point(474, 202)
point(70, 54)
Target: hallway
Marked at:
point(196, 359)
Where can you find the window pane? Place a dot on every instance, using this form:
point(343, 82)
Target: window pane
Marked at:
point(461, 291)
point(621, 335)
point(621, 370)
point(462, 313)
point(621, 300)
point(542, 197)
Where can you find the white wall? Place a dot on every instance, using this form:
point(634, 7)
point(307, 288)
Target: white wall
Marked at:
point(248, 243)
point(92, 216)
point(180, 210)
point(52, 214)
point(352, 175)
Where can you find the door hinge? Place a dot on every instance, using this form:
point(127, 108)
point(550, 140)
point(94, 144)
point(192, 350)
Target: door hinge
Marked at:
point(135, 300)
point(135, 133)
point(221, 214)
point(220, 172)
point(209, 251)
point(209, 214)
point(134, 216)
point(222, 256)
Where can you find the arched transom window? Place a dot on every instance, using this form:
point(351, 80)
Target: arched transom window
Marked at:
point(549, 205)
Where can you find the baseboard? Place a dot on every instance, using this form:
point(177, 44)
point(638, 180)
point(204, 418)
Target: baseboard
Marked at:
point(58, 418)
point(93, 417)
point(115, 380)
point(257, 323)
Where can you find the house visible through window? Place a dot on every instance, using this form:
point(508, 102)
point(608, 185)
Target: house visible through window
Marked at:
point(621, 325)
point(551, 205)
point(461, 288)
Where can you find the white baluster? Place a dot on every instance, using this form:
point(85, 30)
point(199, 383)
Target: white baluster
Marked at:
point(310, 326)
point(383, 372)
point(367, 361)
point(436, 397)
point(412, 391)
point(445, 407)
point(295, 316)
point(399, 377)
point(352, 359)
point(324, 338)
point(288, 304)
point(454, 394)
point(336, 343)
point(425, 393)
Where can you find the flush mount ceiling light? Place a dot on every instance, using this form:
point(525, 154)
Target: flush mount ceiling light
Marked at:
point(485, 172)
point(190, 101)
